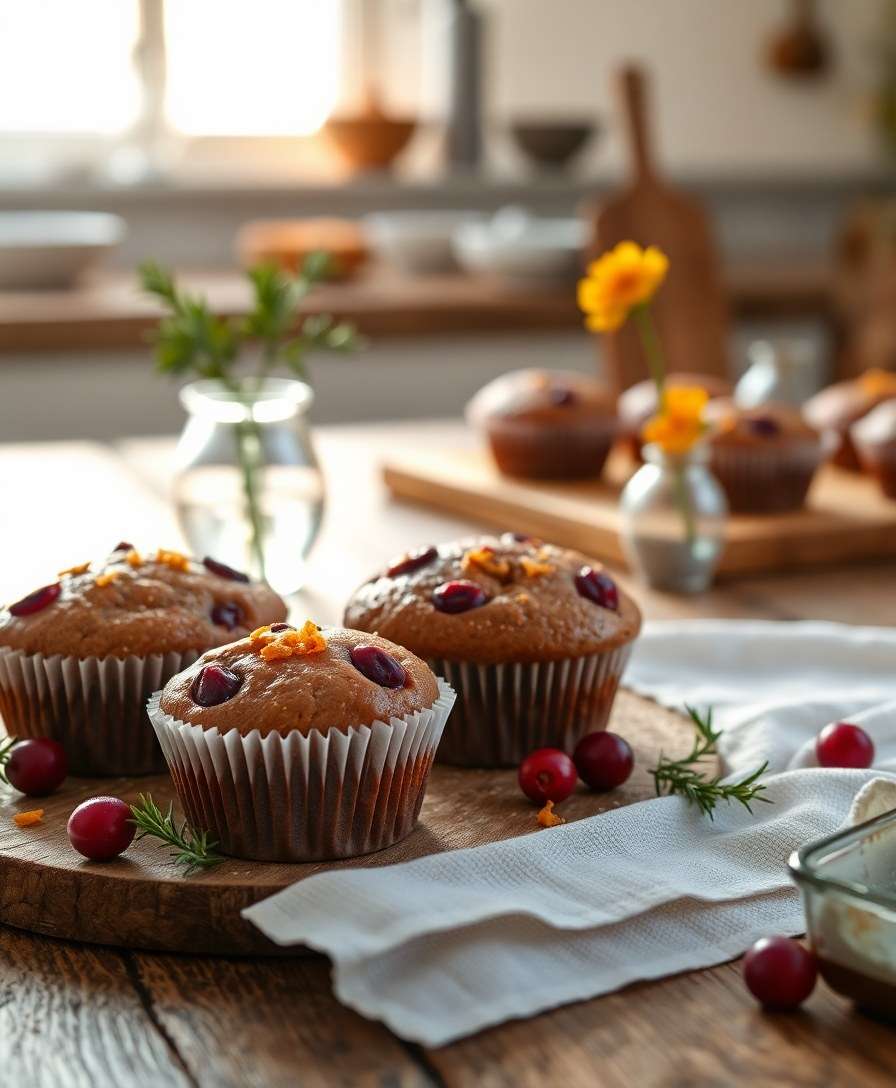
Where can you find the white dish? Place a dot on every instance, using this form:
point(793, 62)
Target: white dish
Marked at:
point(52, 249)
point(517, 246)
point(417, 241)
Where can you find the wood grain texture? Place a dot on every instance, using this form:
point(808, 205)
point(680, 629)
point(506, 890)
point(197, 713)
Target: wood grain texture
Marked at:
point(144, 900)
point(846, 517)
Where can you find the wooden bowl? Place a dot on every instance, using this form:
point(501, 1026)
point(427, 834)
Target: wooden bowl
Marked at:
point(287, 242)
point(551, 144)
point(370, 141)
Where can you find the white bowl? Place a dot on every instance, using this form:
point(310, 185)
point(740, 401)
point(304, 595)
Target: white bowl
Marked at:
point(516, 246)
point(417, 241)
point(51, 249)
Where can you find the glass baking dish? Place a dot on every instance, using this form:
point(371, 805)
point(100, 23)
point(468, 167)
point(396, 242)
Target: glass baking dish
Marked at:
point(848, 881)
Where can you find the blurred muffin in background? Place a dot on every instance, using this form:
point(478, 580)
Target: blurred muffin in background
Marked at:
point(638, 403)
point(839, 406)
point(874, 440)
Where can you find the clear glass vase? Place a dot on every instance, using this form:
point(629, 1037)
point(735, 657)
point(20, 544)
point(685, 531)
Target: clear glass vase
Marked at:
point(248, 489)
point(673, 520)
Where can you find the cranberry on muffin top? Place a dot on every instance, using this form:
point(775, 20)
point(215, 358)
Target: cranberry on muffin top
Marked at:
point(495, 599)
point(768, 424)
point(280, 679)
point(135, 604)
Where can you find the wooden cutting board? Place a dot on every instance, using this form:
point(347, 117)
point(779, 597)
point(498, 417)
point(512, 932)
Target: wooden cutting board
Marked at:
point(143, 900)
point(847, 518)
point(689, 309)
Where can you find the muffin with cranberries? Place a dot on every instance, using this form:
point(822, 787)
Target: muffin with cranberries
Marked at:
point(534, 639)
point(874, 438)
point(639, 402)
point(544, 424)
point(765, 458)
point(80, 656)
point(838, 407)
point(302, 744)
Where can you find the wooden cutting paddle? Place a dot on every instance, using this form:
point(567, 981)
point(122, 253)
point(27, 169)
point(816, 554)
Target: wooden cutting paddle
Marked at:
point(689, 309)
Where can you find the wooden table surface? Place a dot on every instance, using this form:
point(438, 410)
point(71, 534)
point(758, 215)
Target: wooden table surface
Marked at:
point(76, 1015)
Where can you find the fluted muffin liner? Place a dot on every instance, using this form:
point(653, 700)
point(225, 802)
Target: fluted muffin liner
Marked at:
point(506, 711)
point(95, 707)
point(333, 794)
point(767, 481)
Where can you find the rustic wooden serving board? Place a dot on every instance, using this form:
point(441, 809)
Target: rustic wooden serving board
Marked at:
point(846, 518)
point(143, 900)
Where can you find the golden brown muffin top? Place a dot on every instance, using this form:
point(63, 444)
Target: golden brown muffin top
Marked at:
point(840, 405)
point(517, 600)
point(138, 604)
point(315, 678)
point(769, 425)
point(541, 396)
point(638, 403)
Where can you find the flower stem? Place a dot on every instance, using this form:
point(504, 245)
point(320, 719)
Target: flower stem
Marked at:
point(684, 503)
point(653, 350)
point(248, 452)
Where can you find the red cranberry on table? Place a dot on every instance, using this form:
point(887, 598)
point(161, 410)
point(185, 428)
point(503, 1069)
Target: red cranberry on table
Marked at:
point(458, 596)
point(101, 828)
point(214, 684)
point(223, 571)
point(598, 587)
point(407, 564)
point(378, 666)
point(779, 972)
point(547, 774)
point(37, 766)
point(227, 615)
point(604, 760)
point(36, 601)
point(844, 745)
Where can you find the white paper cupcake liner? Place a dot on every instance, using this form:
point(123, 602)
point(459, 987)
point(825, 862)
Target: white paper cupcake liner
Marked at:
point(506, 711)
point(767, 481)
point(304, 798)
point(95, 707)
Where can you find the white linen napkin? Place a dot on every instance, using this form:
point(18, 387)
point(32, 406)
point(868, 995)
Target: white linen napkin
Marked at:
point(443, 946)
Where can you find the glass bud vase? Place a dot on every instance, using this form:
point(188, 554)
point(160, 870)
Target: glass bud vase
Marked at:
point(673, 520)
point(248, 489)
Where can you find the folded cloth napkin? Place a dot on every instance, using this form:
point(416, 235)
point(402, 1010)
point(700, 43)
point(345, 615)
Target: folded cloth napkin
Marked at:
point(443, 946)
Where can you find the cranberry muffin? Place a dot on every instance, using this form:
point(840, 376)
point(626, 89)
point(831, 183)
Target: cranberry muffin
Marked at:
point(639, 402)
point(533, 638)
point(80, 656)
point(543, 424)
point(874, 439)
point(764, 457)
point(835, 409)
point(298, 745)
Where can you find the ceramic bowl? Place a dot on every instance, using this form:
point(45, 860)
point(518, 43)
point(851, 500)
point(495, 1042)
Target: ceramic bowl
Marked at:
point(52, 249)
point(417, 241)
point(517, 246)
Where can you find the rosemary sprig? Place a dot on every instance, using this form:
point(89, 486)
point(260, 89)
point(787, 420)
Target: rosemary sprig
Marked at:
point(193, 849)
point(6, 745)
point(685, 777)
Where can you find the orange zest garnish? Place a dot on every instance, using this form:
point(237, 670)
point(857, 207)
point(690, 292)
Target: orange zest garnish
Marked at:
point(28, 819)
point(547, 817)
point(534, 569)
point(174, 560)
point(486, 560)
point(307, 640)
point(133, 558)
point(80, 568)
point(106, 577)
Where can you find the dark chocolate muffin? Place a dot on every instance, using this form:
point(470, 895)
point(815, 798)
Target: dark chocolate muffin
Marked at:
point(835, 409)
point(546, 424)
point(765, 458)
point(80, 656)
point(534, 638)
point(294, 745)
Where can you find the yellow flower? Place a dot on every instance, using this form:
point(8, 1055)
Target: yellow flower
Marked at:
point(625, 277)
point(679, 423)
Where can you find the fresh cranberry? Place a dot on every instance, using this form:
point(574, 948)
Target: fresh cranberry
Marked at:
point(779, 972)
point(223, 571)
point(412, 561)
point(547, 774)
point(101, 828)
point(598, 587)
point(276, 628)
point(36, 601)
point(123, 546)
point(604, 760)
point(764, 426)
point(844, 745)
point(378, 666)
point(37, 766)
point(214, 684)
point(458, 596)
point(562, 396)
point(227, 615)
